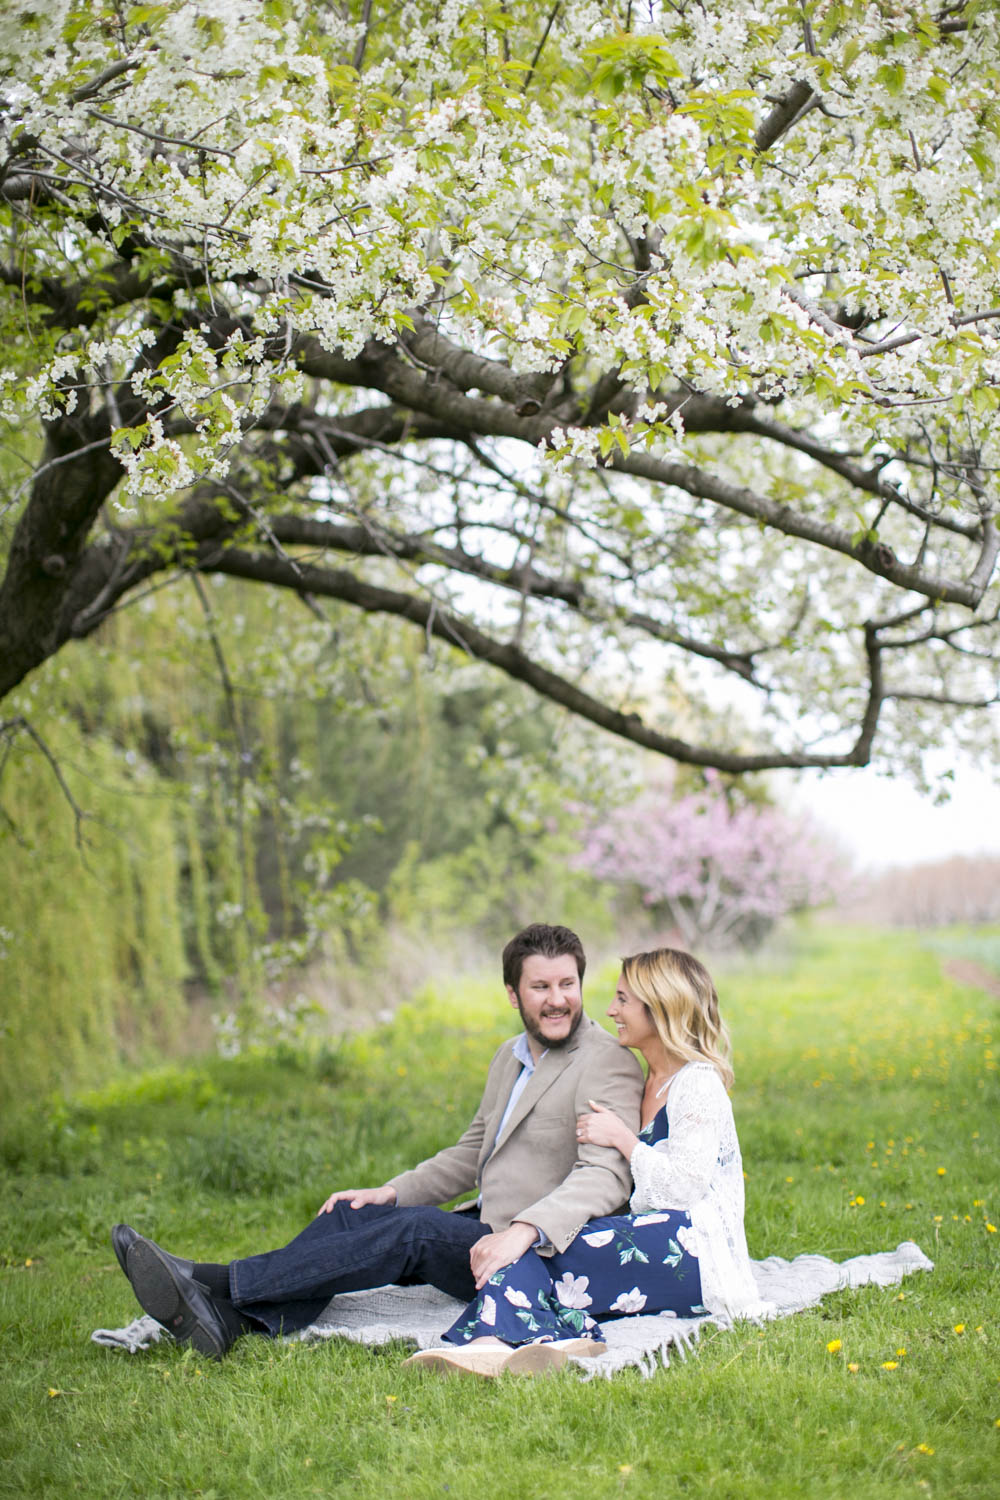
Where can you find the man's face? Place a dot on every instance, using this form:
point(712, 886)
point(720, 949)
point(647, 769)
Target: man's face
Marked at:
point(549, 1000)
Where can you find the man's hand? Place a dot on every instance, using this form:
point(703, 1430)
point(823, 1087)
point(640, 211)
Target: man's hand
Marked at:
point(605, 1128)
point(359, 1197)
point(496, 1250)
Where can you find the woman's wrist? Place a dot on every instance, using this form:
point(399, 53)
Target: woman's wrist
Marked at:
point(627, 1142)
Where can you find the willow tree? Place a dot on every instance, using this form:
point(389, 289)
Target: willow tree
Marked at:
point(603, 341)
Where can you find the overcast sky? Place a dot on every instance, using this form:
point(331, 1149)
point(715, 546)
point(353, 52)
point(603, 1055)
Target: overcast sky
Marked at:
point(884, 821)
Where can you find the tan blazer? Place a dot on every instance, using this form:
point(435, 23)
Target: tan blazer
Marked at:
point(537, 1171)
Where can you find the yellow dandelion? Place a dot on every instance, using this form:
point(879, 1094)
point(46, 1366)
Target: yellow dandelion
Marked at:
point(890, 1364)
point(860, 1201)
point(923, 1448)
point(624, 1468)
point(941, 1171)
point(855, 1368)
point(991, 1229)
point(937, 1218)
point(977, 1202)
point(789, 1179)
point(900, 1353)
point(959, 1327)
point(834, 1346)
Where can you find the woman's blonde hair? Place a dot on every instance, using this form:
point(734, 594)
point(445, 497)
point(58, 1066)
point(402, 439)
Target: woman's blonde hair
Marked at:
point(679, 994)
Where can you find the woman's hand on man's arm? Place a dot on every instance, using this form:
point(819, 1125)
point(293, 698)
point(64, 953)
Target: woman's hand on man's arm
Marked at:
point(602, 1127)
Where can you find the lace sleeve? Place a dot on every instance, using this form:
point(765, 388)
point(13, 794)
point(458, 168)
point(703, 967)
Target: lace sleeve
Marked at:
point(677, 1172)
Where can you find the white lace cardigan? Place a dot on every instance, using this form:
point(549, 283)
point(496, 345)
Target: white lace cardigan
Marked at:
point(699, 1168)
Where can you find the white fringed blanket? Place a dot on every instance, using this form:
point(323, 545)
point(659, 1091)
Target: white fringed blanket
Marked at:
point(419, 1314)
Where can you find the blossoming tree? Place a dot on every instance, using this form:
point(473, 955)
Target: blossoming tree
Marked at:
point(723, 876)
point(595, 338)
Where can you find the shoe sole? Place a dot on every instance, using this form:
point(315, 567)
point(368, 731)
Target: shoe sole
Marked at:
point(536, 1359)
point(160, 1294)
point(485, 1364)
point(121, 1249)
point(546, 1359)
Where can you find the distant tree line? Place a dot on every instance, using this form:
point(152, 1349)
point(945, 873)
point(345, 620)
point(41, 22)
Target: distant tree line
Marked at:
point(964, 888)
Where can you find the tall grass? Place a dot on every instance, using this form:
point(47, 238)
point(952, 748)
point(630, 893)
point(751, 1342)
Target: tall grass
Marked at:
point(866, 1100)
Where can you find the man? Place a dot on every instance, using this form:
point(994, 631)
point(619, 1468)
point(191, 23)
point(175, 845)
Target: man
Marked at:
point(537, 1185)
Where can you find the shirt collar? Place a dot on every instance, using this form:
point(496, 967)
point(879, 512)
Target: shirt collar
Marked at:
point(522, 1052)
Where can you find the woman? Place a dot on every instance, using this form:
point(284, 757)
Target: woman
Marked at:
point(682, 1249)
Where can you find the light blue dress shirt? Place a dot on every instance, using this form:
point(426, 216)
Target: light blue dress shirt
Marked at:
point(522, 1052)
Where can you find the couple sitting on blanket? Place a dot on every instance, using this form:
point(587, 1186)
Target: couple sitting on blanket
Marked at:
point(549, 1246)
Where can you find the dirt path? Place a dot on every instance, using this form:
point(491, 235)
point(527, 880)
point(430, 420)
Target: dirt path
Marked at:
point(964, 971)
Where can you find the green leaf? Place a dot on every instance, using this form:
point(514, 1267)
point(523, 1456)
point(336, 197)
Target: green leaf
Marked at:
point(130, 437)
point(893, 76)
point(983, 161)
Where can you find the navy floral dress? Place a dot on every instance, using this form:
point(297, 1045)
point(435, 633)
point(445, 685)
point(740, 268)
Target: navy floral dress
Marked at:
point(624, 1263)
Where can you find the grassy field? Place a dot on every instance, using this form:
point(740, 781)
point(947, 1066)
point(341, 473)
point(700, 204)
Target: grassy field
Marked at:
point(866, 1101)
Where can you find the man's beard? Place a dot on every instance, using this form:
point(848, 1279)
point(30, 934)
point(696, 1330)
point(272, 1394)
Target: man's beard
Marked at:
point(535, 1031)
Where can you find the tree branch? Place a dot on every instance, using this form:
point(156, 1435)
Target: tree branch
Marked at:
point(90, 90)
point(384, 370)
point(371, 541)
point(946, 699)
point(877, 559)
point(518, 664)
point(789, 108)
point(8, 728)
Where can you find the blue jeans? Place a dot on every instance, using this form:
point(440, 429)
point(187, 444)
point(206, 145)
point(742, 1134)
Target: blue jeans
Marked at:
point(350, 1250)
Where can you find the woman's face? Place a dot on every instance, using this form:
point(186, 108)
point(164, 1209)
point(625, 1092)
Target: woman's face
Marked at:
point(635, 1026)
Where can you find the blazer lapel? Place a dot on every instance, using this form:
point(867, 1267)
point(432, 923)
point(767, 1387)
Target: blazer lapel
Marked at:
point(555, 1061)
point(507, 1074)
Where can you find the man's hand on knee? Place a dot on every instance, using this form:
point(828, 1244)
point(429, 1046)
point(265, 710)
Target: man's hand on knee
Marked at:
point(359, 1197)
point(494, 1251)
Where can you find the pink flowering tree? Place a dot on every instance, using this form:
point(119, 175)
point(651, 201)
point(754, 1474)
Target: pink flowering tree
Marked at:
point(723, 876)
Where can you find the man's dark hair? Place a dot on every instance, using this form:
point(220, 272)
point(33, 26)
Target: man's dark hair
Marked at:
point(548, 942)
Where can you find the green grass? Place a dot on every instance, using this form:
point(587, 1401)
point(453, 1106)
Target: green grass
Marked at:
point(866, 1100)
